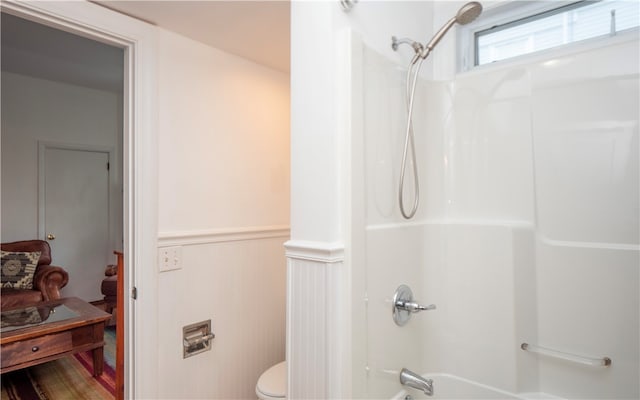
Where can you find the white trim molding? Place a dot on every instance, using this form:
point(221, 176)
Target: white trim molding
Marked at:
point(185, 238)
point(315, 251)
point(139, 163)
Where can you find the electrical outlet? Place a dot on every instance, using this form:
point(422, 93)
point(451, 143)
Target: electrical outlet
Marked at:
point(170, 258)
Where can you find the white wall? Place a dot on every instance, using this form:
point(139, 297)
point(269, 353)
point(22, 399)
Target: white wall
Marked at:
point(36, 110)
point(224, 198)
point(224, 124)
point(33, 110)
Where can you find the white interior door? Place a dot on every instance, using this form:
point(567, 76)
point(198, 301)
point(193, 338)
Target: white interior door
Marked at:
point(75, 216)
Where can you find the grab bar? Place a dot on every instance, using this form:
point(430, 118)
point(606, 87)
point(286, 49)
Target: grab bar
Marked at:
point(591, 361)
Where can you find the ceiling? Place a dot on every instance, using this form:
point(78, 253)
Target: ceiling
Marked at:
point(256, 30)
point(42, 52)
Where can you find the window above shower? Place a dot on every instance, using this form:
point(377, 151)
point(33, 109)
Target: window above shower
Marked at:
point(522, 28)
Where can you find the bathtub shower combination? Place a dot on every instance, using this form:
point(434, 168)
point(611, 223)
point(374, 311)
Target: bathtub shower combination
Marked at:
point(518, 275)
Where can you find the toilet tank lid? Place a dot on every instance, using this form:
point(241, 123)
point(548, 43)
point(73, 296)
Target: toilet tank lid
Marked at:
point(273, 382)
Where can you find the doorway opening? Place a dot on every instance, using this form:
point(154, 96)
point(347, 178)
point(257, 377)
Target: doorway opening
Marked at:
point(139, 170)
point(63, 127)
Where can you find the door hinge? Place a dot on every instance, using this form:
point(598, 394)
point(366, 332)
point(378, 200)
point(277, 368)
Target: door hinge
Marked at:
point(108, 166)
point(134, 293)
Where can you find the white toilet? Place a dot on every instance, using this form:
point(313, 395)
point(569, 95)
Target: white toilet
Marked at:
point(272, 384)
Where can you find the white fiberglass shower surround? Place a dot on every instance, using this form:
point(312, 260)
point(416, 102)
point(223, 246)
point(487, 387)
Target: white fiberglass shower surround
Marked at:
point(527, 232)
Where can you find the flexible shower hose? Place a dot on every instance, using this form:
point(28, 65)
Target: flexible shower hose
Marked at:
point(409, 140)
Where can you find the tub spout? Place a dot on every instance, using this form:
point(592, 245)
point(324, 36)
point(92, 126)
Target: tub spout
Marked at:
point(411, 379)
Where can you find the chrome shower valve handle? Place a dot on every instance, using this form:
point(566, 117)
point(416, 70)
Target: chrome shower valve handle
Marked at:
point(413, 307)
point(404, 306)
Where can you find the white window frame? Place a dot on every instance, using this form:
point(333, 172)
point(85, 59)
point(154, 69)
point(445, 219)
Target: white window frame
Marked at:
point(505, 11)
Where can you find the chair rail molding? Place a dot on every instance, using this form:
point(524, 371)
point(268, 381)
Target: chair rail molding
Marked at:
point(184, 238)
point(323, 252)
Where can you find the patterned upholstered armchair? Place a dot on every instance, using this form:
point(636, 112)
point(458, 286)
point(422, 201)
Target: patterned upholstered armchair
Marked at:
point(19, 260)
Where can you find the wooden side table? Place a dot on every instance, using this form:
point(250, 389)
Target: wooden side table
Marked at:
point(54, 329)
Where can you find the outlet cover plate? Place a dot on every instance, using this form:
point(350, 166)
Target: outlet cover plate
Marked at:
point(170, 258)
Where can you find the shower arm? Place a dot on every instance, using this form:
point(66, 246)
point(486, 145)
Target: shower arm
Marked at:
point(417, 46)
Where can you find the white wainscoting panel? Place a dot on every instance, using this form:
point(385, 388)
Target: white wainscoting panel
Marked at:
point(236, 278)
point(316, 326)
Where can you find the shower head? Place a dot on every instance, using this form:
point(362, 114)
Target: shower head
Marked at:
point(465, 15)
point(468, 12)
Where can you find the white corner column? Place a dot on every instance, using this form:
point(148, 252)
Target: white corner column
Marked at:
point(318, 300)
